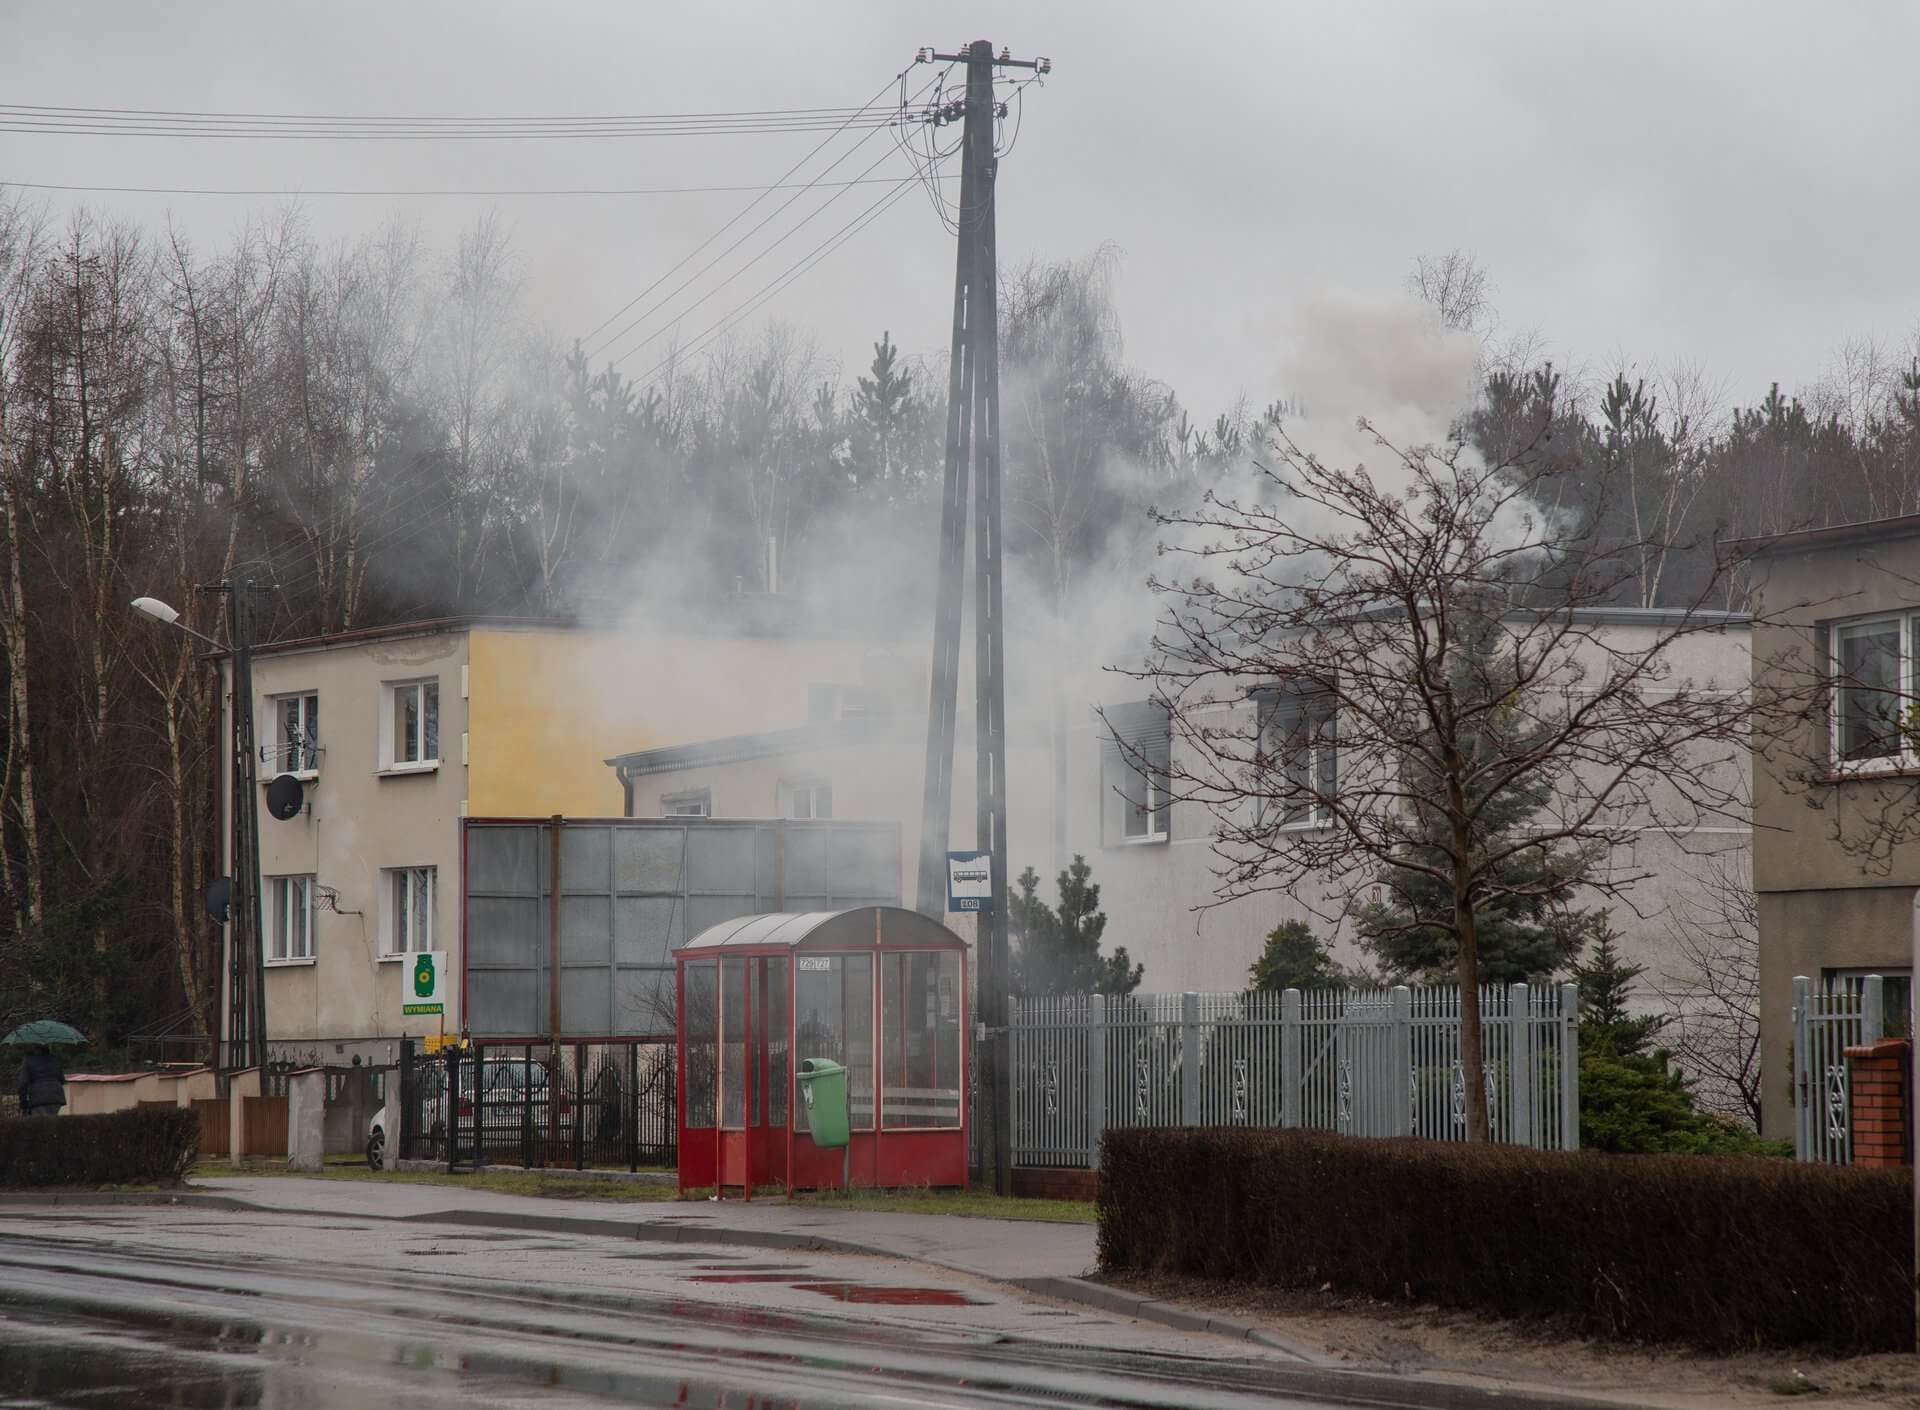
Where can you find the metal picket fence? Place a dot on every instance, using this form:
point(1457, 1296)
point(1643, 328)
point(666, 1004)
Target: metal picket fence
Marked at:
point(1826, 1022)
point(1365, 1062)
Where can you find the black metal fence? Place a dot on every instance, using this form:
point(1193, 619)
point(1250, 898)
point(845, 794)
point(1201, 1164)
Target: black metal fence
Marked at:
point(581, 1106)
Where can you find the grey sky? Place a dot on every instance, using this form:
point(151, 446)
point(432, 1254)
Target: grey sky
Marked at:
point(1726, 183)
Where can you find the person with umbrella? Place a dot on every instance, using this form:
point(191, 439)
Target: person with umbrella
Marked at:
point(43, 1078)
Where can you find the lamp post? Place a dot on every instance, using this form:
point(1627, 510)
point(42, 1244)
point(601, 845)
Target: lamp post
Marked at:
point(246, 995)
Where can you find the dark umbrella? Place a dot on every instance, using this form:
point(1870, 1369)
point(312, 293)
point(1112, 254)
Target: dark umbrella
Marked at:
point(43, 1030)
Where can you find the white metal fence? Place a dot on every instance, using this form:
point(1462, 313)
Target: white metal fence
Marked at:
point(1826, 1023)
point(1366, 1062)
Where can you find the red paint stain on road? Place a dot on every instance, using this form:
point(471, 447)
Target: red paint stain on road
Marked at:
point(890, 1297)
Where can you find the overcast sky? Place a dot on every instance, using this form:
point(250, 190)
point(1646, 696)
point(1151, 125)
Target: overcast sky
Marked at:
point(1732, 184)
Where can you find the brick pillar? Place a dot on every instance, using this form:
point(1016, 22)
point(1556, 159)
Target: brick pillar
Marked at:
point(1882, 1107)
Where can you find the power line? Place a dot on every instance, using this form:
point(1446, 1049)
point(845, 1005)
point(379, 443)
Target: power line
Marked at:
point(694, 253)
point(196, 115)
point(722, 129)
point(688, 282)
point(475, 192)
point(777, 285)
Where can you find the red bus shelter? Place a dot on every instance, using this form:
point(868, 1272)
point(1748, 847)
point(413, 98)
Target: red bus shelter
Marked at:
point(881, 990)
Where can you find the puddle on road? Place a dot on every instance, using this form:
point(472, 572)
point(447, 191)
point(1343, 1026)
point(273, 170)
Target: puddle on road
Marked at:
point(865, 1293)
point(890, 1297)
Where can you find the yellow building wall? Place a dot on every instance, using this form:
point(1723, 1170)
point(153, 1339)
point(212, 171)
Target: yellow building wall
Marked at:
point(546, 707)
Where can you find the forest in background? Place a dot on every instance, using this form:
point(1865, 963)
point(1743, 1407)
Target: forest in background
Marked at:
point(382, 431)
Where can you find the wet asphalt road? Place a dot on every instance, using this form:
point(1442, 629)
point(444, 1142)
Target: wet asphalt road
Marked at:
point(127, 1307)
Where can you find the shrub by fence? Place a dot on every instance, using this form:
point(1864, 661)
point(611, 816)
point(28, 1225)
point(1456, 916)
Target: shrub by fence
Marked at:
point(1721, 1252)
point(129, 1147)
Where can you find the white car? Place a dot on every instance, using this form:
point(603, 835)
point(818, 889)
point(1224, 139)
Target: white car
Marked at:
point(508, 1114)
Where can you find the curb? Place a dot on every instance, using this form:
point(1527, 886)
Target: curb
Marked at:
point(1167, 1314)
point(614, 1177)
point(188, 1199)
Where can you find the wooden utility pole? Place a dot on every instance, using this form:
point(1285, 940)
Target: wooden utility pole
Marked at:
point(973, 451)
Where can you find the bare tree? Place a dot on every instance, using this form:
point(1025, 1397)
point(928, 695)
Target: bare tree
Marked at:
point(22, 236)
point(1424, 656)
point(1710, 982)
point(1455, 285)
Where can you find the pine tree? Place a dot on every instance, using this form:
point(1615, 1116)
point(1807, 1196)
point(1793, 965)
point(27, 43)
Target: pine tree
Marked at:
point(1606, 1023)
point(1527, 927)
point(1059, 950)
point(1296, 958)
point(882, 405)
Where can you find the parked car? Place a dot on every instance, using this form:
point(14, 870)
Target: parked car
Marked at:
point(509, 1115)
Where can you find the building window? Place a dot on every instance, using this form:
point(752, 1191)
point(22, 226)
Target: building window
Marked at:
point(409, 900)
point(1299, 762)
point(1873, 673)
point(1138, 757)
point(296, 730)
point(687, 805)
point(806, 800)
point(289, 919)
point(410, 728)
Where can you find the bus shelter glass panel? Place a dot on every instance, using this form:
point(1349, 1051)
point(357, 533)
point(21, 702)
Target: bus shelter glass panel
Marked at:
point(733, 1044)
point(833, 1018)
point(700, 1020)
point(774, 1024)
point(921, 1080)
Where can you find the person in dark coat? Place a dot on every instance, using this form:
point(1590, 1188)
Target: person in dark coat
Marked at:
point(43, 1083)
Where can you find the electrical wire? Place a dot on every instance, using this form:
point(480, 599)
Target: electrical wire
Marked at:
point(778, 284)
point(739, 216)
point(687, 283)
point(104, 122)
point(199, 115)
point(476, 192)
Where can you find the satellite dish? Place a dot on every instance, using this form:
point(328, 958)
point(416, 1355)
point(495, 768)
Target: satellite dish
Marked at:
point(285, 797)
point(220, 900)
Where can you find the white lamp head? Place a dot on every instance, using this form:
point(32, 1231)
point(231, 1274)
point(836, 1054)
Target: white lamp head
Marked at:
point(153, 607)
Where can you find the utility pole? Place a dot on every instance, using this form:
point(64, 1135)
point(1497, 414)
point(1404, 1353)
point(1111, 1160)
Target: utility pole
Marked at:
point(246, 940)
point(973, 445)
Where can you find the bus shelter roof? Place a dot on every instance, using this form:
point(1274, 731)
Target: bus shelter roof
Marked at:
point(863, 928)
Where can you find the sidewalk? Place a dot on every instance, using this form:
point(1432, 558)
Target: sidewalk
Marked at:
point(1052, 1260)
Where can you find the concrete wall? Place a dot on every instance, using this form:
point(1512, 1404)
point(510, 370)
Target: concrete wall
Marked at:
point(1822, 905)
point(96, 1094)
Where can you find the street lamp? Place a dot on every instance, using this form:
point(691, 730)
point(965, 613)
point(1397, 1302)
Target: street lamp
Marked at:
point(246, 995)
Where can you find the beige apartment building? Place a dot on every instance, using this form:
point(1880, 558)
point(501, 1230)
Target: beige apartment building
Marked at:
point(397, 733)
point(1152, 857)
point(1836, 775)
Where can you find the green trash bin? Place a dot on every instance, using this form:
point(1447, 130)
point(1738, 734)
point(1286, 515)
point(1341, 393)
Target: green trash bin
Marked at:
point(823, 1096)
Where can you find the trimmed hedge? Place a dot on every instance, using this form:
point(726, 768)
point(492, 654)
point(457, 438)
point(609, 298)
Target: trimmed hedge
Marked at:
point(129, 1147)
point(1722, 1252)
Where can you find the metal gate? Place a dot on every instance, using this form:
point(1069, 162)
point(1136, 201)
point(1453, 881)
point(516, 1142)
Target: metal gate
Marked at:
point(1826, 1023)
point(577, 1105)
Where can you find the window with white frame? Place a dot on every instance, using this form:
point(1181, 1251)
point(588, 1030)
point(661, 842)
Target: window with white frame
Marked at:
point(410, 728)
point(289, 919)
point(1138, 756)
point(687, 805)
point(296, 731)
point(1872, 662)
point(409, 907)
point(1300, 765)
point(806, 800)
